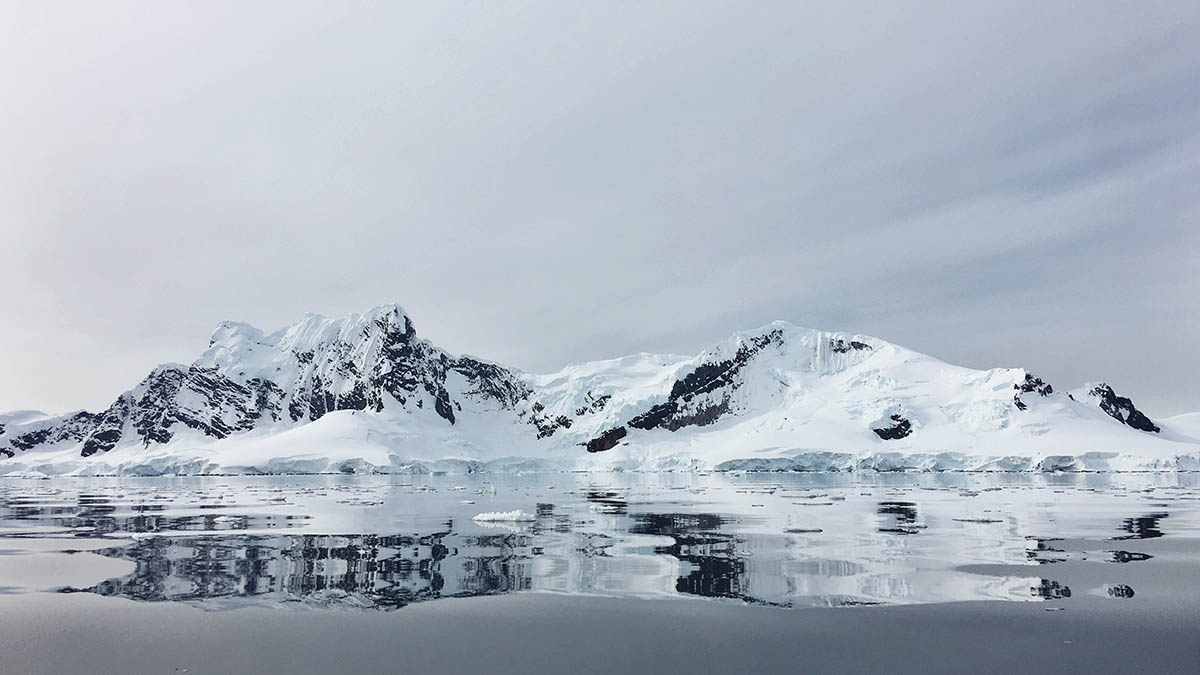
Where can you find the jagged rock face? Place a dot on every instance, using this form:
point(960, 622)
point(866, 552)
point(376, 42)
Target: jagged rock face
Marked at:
point(547, 425)
point(593, 404)
point(899, 428)
point(1031, 385)
point(687, 404)
point(780, 385)
point(491, 381)
point(842, 346)
point(1122, 409)
point(197, 398)
point(72, 428)
point(698, 398)
point(607, 440)
point(356, 366)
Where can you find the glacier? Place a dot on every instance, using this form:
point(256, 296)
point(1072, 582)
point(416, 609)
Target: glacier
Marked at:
point(365, 394)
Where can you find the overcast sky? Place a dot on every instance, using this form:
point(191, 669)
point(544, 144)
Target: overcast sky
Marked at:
point(996, 184)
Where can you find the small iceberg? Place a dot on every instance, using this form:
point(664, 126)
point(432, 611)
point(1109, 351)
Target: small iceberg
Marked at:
point(504, 516)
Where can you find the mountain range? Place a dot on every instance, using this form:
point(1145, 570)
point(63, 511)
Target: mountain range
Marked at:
point(364, 393)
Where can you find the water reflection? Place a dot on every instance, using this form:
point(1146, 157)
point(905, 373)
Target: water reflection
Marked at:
point(1142, 527)
point(710, 562)
point(898, 517)
point(372, 570)
point(1129, 556)
point(778, 541)
point(1043, 550)
point(1051, 590)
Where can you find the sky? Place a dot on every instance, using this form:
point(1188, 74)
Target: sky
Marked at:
point(538, 183)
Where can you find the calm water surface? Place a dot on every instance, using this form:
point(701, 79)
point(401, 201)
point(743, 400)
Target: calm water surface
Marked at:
point(376, 543)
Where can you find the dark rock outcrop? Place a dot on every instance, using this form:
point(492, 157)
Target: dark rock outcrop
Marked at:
point(592, 404)
point(1031, 385)
point(683, 408)
point(607, 440)
point(842, 346)
point(385, 359)
point(1122, 409)
point(899, 428)
point(73, 428)
point(717, 377)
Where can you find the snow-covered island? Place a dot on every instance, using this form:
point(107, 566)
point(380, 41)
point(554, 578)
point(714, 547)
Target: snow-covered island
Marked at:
point(364, 393)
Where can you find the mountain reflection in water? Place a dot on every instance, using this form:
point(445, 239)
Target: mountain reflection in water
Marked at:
point(780, 539)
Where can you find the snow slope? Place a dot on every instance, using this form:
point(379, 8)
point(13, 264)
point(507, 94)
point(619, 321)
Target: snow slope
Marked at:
point(1185, 427)
point(364, 393)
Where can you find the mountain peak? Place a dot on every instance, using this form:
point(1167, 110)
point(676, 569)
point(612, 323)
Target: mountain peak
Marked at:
point(228, 331)
point(367, 381)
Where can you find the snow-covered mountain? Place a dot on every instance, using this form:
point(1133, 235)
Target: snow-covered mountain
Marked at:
point(365, 393)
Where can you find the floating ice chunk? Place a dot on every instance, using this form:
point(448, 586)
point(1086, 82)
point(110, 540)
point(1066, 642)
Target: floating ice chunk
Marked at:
point(504, 516)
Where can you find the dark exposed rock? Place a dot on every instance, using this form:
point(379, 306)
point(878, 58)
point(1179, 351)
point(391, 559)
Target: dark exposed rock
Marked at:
point(680, 410)
point(1031, 385)
point(355, 399)
point(842, 346)
point(358, 368)
point(677, 419)
point(155, 410)
point(73, 428)
point(406, 363)
point(899, 428)
point(607, 440)
point(592, 404)
point(441, 403)
point(101, 440)
point(297, 408)
point(491, 381)
point(546, 426)
point(31, 439)
point(109, 426)
point(334, 376)
point(320, 399)
point(1034, 385)
point(268, 399)
point(674, 413)
point(1122, 409)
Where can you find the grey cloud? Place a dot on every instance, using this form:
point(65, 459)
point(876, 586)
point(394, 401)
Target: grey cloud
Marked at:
point(541, 183)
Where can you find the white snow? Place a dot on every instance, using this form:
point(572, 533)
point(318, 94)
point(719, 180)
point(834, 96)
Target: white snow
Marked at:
point(1185, 427)
point(798, 405)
